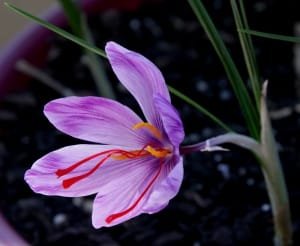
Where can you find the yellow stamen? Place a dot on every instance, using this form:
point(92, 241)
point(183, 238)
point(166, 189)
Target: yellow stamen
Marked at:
point(158, 153)
point(150, 127)
point(129, 155)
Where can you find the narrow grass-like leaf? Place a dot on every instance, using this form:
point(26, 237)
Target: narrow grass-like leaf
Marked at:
point(74, 16)
point(199, 108)
point(271, 36)
point(100, 52)
point(96, 66)
point(247, 47)
point(247, 107)
point(251, 47)
point(57, 30)
point(79, 25)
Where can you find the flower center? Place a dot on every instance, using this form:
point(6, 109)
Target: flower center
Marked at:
point(119, 154)
point(158, 153)
point(116, 154)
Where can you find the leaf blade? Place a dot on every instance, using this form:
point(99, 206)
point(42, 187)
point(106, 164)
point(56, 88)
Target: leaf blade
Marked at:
point(249, 111)
point(79, 25)
point(247, 48)
point(196, 105)
point(273, 36)
point(57, 30)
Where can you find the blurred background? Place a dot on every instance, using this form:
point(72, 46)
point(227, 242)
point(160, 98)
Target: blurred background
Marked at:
point(223, 200)
point(10, 23)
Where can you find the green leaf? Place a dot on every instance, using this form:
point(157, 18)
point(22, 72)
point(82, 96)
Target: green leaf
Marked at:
point(271, 36)
point(74, 16)
point(79, 25)
point(247, 107)
point(247, 47)
point(100, 52)
point(57, 30)
point(96, 66)
point(199, 108)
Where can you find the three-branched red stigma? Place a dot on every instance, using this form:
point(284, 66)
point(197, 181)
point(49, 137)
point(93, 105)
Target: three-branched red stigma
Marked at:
point(149, 149)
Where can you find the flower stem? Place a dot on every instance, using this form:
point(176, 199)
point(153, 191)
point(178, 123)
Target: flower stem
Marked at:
point(212, 144)
point(267, 156)
point(280, 206)
point(274, 178)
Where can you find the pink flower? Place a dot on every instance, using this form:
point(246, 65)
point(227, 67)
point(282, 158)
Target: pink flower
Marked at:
point(135, 166)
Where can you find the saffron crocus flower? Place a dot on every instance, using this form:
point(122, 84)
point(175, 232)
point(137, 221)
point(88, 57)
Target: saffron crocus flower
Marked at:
point(135, 166)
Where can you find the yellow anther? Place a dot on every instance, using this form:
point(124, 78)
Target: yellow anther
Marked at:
point(150, 127)
point(128, 155)
point(158, 153)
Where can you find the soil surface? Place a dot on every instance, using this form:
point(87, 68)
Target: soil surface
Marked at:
point(223, 200)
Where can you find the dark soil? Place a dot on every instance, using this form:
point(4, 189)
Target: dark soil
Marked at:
point(223, 200)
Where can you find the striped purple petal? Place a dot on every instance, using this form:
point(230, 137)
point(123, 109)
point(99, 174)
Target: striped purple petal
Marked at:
point(140, 77)
point(95, 119)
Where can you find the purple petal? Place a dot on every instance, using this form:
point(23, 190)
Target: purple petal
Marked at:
point(140, 76)
point(171, 120)
point(165, 191)
point(124, 198)
point(42, 176)
point(112, 174)
point(95, 119)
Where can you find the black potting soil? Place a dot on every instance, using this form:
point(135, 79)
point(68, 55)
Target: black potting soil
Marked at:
point(223, 199)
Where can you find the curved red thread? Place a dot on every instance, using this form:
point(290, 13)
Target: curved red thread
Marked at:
point(112, 217)
point(62, 172)
point(70, 181)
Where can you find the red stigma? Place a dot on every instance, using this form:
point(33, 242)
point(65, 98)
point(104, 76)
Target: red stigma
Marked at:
point(115, 216)
point(62, 172)
point(68, 182)
point(115, 153)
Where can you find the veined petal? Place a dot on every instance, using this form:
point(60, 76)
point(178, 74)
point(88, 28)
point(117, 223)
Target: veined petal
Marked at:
point(95, 119)
point(163, 192)
point(123, 201)
point(42, 177)
point(140, 76)
point(171, 120)
point(112, 174)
